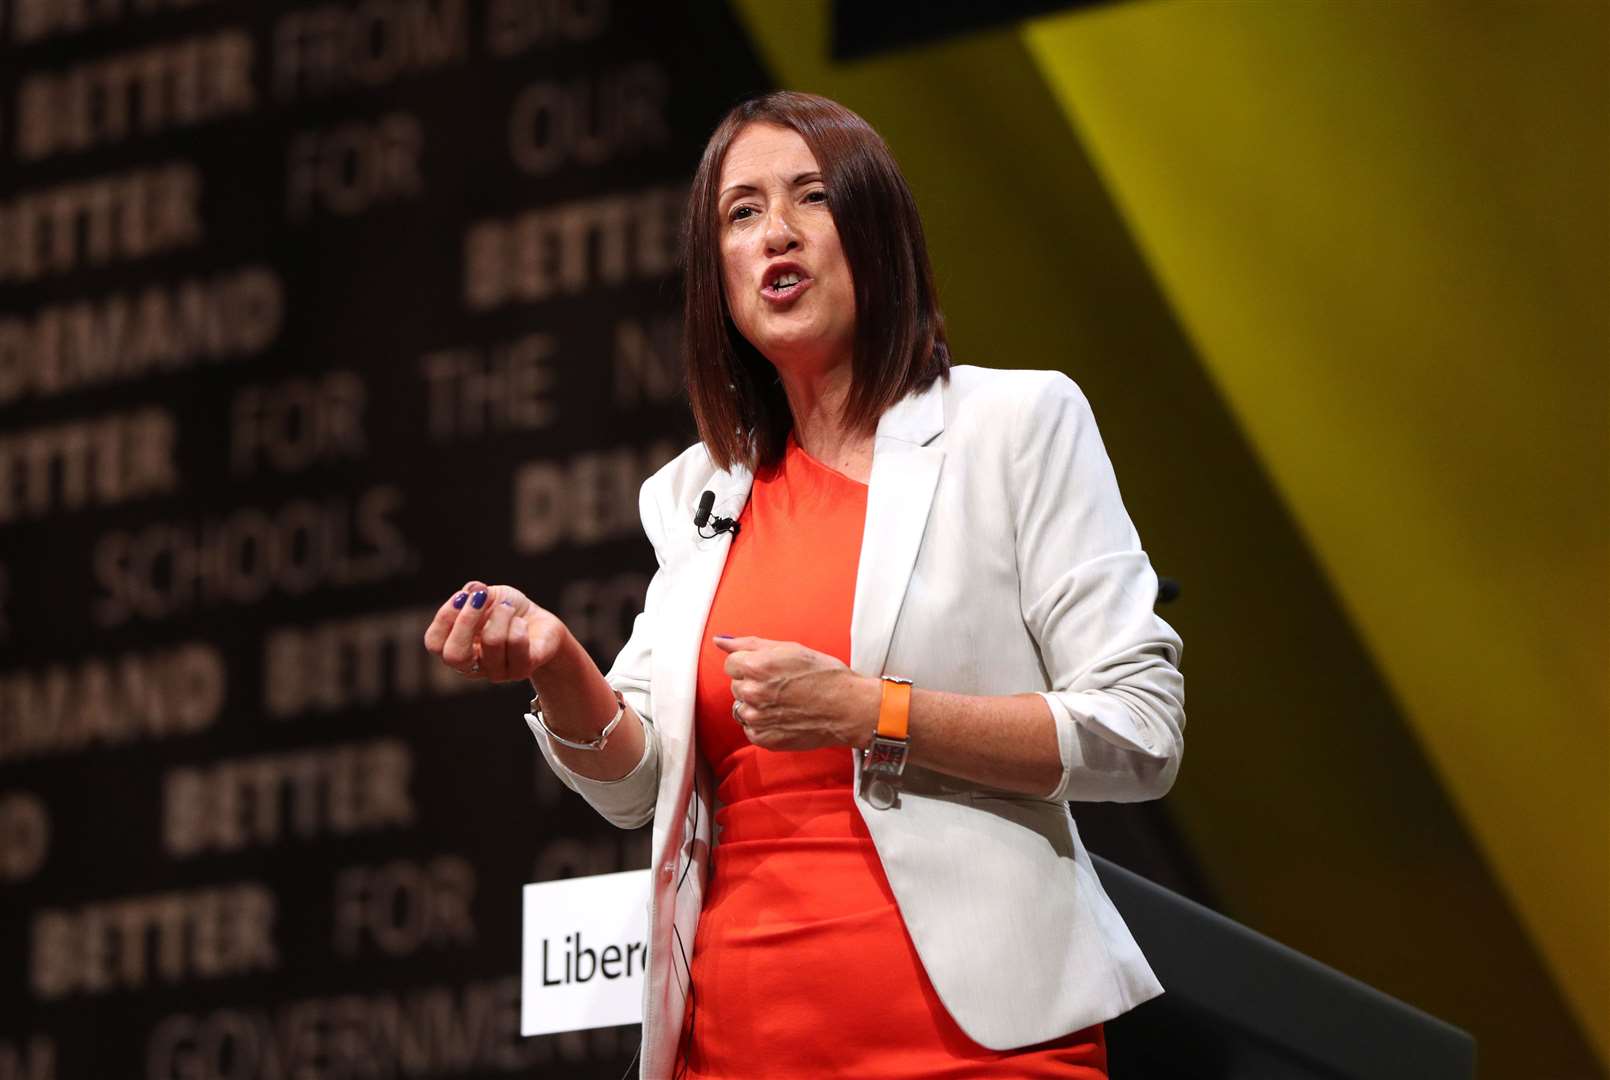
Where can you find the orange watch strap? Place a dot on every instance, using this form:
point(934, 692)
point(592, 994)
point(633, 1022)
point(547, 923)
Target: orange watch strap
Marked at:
point(894, 712)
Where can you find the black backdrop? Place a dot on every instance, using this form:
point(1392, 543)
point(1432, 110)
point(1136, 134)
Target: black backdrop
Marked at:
point(309, 313)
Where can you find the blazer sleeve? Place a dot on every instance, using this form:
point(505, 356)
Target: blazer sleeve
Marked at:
point(1087, 592)
point(628, 802)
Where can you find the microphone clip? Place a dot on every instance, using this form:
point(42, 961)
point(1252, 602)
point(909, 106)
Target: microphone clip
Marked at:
point(718, 525)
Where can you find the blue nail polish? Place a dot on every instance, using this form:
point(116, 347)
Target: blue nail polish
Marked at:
point(723, 635)
point(458, 601)
point(478, 600)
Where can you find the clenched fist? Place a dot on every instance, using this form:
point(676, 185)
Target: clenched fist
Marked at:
point(494, 632)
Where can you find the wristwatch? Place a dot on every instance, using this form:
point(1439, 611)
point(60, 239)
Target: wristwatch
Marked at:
point(887, 755)
point(595, 743)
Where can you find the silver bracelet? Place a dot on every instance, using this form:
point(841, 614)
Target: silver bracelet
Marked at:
point(596, 743)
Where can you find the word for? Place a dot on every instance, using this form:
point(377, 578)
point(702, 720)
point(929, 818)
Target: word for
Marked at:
point(402, 907)
point(600, 612)
point(581, 964)
point(292, 424)
point(588, 498)
point(591, 120)
point(131, 215)
point(24, 836)
point(126, 336)
point(35, 19)
point(304, 794)
point(160, 570)
point(436, 1031)
point(572, 247)
point(101, 462)
point(346, 170)
point(99, 703)
point(178, 84)
point(325, 50)
point(513, 26)
point(133, 943)
point(354, 662)
point(508, 387)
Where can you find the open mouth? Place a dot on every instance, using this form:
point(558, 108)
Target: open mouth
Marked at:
point(785, 284)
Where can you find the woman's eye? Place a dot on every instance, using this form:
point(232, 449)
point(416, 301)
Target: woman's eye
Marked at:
point(812, 195)
point(738, 213)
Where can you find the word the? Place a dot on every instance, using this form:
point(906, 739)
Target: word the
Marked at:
point(508, 388)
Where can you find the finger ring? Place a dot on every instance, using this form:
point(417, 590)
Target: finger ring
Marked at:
point(475, 665)
point(735, 716)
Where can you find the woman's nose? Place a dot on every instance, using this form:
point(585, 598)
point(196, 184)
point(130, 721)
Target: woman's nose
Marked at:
point(780, 234)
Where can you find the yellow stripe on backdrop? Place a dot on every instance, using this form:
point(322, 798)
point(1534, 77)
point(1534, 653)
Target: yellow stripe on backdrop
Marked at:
point(1386, 228)
point(1307, 791)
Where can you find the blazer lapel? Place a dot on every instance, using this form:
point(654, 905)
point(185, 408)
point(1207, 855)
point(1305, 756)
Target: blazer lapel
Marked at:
point(905, 472)
point(687, 607)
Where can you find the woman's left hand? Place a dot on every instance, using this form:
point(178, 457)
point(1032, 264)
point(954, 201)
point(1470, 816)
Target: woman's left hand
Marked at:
point(794, 698)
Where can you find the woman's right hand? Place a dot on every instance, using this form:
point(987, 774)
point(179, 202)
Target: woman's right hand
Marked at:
point(494, 632)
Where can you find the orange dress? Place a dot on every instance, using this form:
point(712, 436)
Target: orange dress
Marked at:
point(802, 966)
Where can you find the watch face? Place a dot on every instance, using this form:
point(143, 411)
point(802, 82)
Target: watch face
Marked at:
point(886, 755)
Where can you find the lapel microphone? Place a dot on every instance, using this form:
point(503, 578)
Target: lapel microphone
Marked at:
point(719, 525)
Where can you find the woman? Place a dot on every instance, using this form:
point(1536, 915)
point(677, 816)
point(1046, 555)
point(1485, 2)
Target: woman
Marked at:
point(893, 885)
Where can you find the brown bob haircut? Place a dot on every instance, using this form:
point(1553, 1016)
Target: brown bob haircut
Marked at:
point(736, 394)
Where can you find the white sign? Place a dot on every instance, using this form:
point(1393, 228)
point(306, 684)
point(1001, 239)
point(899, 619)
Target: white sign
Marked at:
point(584, 950)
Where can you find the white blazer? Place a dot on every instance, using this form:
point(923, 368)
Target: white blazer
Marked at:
point(997, 558)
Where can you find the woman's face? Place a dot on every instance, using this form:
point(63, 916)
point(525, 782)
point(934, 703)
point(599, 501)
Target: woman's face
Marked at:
point(787, 283)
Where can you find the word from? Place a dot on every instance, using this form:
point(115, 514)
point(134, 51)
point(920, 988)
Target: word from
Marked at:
point(101, 703)
point(24, 836)
point(591, 120)
point(436, 1031)
point(508, 388)
point(587, 499)
point(34, 19)
point(513, 26)
point(126, 336)
point(348, 169)
point(303, 794)
point(572, 247)
point(354, 662)
point(161, 570)
point(101, 462)
point(132, 215)
point(293, 424)
point(178, 84)
point(325, 50)
point(168, 938)
point(402, 907)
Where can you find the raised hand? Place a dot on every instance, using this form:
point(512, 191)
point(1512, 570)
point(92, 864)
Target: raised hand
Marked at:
point(493, 632)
